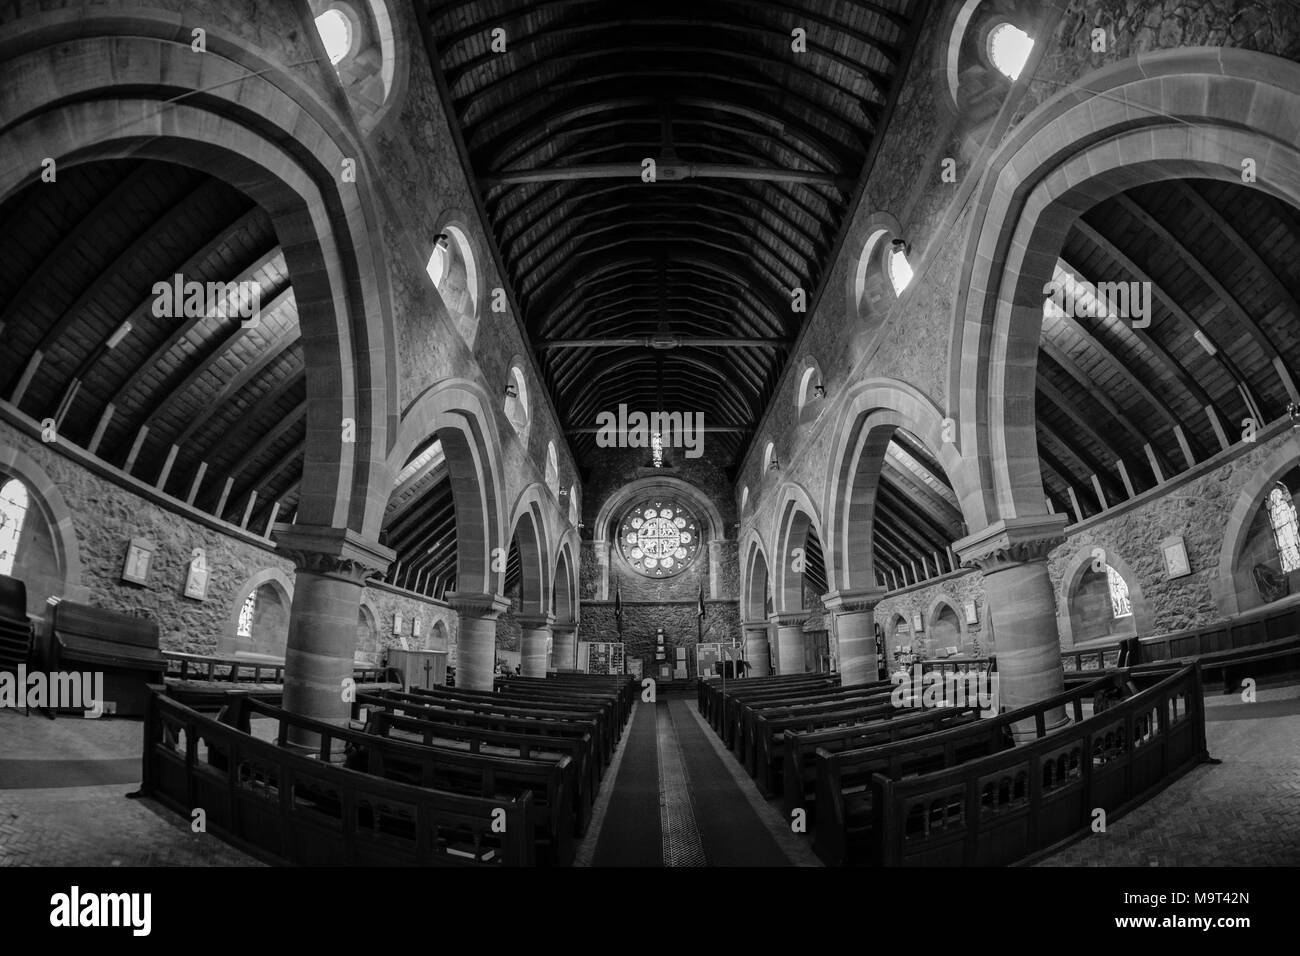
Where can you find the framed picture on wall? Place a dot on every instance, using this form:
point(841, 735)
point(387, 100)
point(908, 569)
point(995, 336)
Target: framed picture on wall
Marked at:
point(397, 623)
point(1175, 553)
point(917, 623)
point(415, 627)
point(196, 582)
point(971, 616)
point(139, 558)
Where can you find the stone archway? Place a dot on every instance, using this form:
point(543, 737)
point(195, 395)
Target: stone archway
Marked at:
point(1069, 612)
point(528, 535)
point(755, 600)
point(1168, 115)
point(1223, 585)
point(797, 523)
point(269, 637)
point(93, 84)
point(44, 496)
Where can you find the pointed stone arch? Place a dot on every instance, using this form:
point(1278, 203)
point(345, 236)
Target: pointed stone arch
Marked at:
point(795, 516)
point(528, 529)
point(1073, 573)
point(44, 495)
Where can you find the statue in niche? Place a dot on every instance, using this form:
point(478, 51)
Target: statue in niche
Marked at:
point(1271, 585)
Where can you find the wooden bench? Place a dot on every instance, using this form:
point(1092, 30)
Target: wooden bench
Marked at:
point(121, 646)
point(605, 706)
point(547, 725)
point(844, 794)
point(709, 694)
point(765, 753)
point(721, 706)
point(1019, 804)
point(620, 696)
point(743, 728)
point(579, 750)
point(16, 632)
point(287, 808)
point(799, 770)
point(202, 681)
point(551, 782)
point(483, 702)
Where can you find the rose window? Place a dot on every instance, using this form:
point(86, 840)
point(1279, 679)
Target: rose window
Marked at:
point(659, 538)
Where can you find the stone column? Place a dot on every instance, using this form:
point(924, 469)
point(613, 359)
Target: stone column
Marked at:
point(565, 653)
point(1012, 554)
point(332, 565)
point(476, 654)
point(789, 641)
point(756, 651)
point(532, 643)
point(855, 633)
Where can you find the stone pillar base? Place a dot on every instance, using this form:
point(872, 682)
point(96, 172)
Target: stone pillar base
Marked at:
point(533, 641)
point(756, 648)
point(790, 642)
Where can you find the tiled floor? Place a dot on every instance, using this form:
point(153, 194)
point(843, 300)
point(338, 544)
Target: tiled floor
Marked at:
point(1244, 811)
point(90, 825)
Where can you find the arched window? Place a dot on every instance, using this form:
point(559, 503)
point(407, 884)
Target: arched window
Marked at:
point(552, 470)
point(246, 614)
point(900, 271)
point(1009, 49)
point(573, 505)
point(744, 498)
point(769, 456)
point(13, 511)
point(1120, 606)
point(517, 399)
point(1286, 534)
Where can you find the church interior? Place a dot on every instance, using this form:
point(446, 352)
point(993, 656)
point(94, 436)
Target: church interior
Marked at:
point(511, 433)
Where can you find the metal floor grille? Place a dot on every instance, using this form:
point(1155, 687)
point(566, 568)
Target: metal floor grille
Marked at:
point(681, 836)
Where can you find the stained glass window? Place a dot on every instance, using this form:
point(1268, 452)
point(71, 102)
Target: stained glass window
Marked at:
point(1120, 606)
point(659, 538)
point(1286, 534)
point(246, 613)
point(13, 509)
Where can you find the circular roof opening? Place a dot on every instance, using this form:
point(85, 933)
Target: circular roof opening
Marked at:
point(336, 33)
point(1009, 48)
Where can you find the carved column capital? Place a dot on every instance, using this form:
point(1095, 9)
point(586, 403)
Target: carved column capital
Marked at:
point(332, 552)
point(852, 602)
point(762, 624)
point(789, 618)
point(473, 605)
point(1010, 542)
point(535, 621)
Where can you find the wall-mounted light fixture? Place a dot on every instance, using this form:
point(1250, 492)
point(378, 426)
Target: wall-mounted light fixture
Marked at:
point(819, 390)
point(775, 464)
point(900, 245)
point(512, 390)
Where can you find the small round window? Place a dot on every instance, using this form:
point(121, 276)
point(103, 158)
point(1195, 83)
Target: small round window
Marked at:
point(659, 538)
point(1009, 49)
point(336, 33)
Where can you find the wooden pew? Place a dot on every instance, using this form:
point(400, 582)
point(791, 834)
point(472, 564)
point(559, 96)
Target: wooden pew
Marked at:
point(620, 696)
point(16, 631)
point(744, 727)
point(844, 778)
point(728, 708)
point(1016, 805)
point(385, 723)
point(551, 782)
point(535, 724)
point(266, 800)
point(202, 681)
point(123, 647)
point(765, 740)
point(720, 705)
point(482, 702)
point(799, 773)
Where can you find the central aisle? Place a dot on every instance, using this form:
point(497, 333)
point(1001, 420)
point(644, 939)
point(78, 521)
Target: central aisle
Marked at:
point(675, 801)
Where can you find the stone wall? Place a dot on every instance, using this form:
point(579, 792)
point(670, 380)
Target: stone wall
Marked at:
point(678, 620)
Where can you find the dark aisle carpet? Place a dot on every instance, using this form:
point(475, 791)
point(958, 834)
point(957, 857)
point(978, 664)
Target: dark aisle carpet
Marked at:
point(630, 835)
point(732, 833)
point(29, 774)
